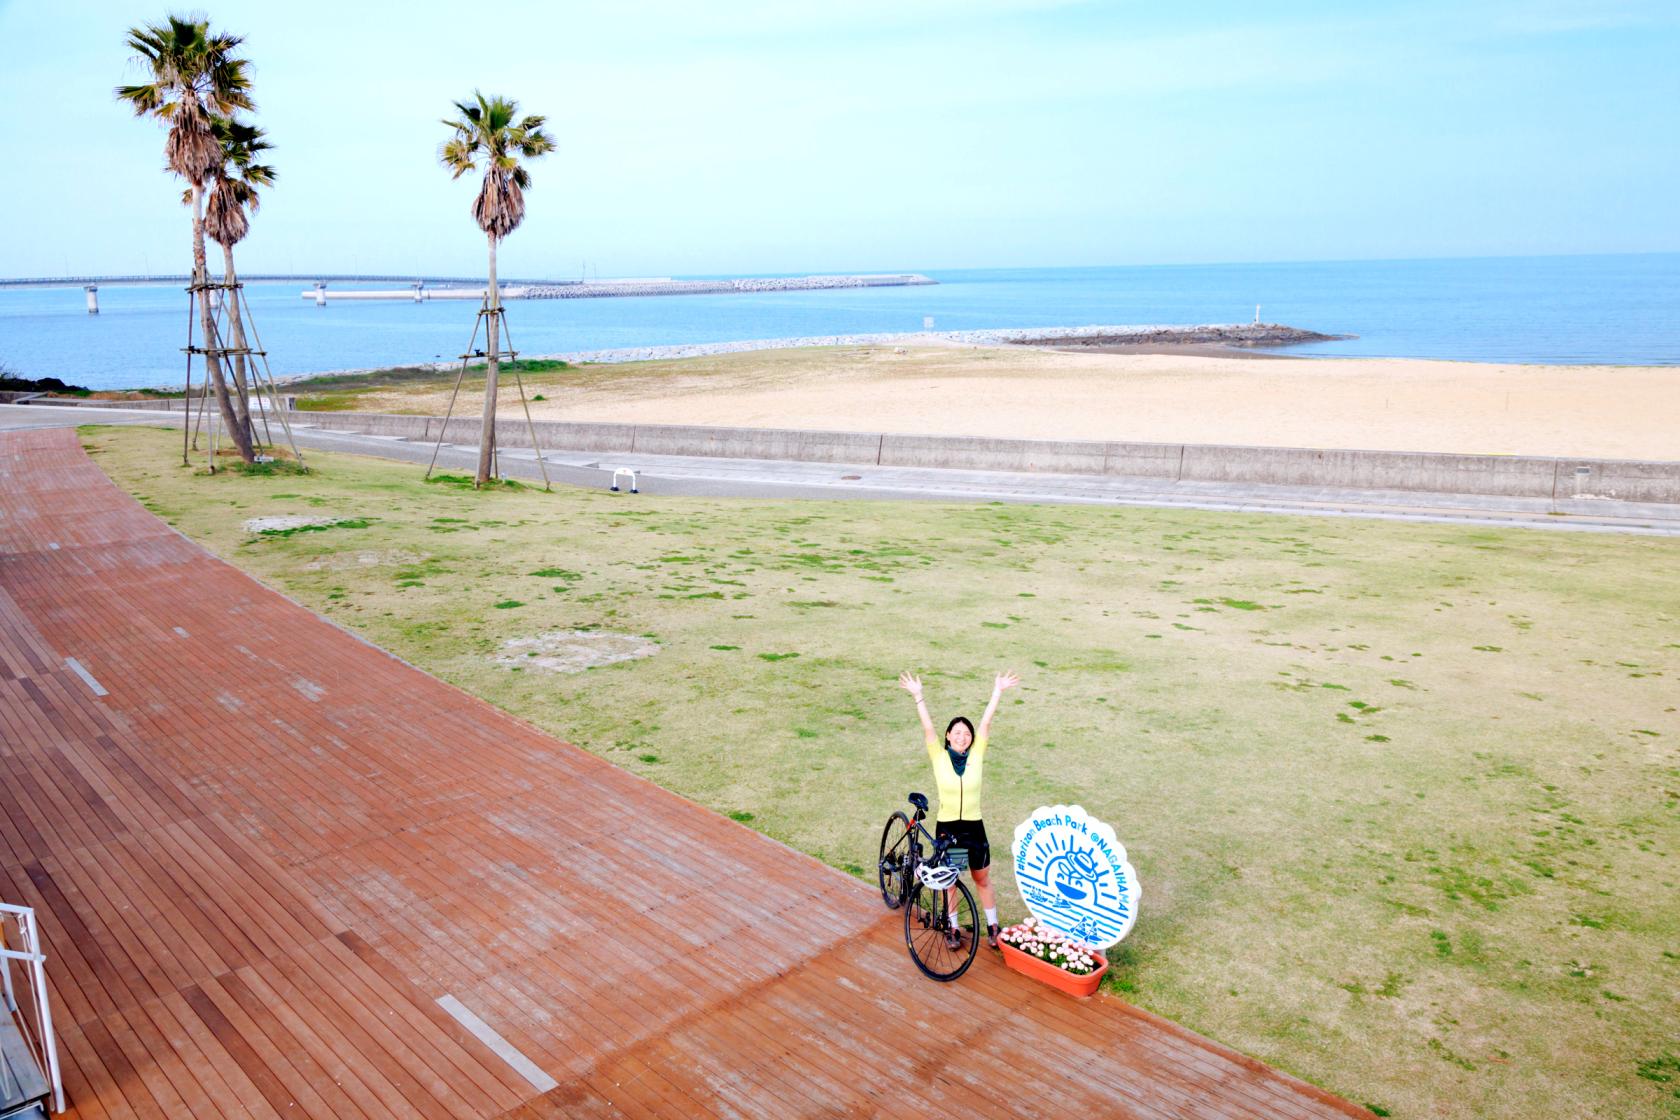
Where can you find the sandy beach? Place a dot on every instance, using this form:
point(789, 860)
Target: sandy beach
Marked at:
point(1383, 404)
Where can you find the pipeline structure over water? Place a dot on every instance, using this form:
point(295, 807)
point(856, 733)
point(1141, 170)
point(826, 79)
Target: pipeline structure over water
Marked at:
point(599, 289)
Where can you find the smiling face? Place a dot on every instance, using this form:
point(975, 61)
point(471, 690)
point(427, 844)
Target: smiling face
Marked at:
point(959, 738)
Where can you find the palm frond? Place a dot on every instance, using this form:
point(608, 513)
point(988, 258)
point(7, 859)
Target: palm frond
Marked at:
point(143, 100)
point(457, 154)
point(535, 143)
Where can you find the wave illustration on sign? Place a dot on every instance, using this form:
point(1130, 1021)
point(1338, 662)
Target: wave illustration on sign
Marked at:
point(1074, 876)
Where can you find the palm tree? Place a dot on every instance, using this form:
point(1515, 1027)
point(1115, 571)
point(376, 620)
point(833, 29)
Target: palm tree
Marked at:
point(233, 198)
point(195, 77)
point(486, 132)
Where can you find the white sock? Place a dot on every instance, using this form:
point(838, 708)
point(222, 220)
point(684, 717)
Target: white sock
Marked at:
point(991, 916)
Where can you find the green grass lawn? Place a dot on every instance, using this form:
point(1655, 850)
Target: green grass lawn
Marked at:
point(1404, 799)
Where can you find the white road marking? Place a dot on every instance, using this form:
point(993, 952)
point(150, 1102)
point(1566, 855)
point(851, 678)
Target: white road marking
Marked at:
point(87, 678)
point(481, 1030)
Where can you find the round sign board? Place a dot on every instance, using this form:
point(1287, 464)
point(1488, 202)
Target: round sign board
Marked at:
point(1074, 877)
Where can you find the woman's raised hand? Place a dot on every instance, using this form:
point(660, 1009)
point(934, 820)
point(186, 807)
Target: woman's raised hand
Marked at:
point(910, 684)
point(1005, 680)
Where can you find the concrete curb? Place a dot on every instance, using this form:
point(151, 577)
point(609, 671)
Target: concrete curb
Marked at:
point(1555, 478)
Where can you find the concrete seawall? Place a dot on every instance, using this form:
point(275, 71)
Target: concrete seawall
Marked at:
point(1520, 476)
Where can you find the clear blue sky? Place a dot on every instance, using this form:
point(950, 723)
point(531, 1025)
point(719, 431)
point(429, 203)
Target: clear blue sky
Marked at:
point(775, 136)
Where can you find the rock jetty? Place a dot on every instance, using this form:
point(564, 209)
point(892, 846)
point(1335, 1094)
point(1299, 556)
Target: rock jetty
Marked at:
point(1232, 334)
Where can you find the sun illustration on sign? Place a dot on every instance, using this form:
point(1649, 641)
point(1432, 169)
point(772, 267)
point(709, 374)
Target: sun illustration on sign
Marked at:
point(1073, 875)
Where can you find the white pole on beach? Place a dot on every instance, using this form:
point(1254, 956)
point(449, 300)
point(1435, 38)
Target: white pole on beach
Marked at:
point(1257, 314)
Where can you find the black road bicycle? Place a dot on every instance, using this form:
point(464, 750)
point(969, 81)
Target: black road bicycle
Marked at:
point(941, 925)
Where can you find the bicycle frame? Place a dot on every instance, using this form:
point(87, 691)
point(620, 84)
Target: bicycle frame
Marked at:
point(941, 844)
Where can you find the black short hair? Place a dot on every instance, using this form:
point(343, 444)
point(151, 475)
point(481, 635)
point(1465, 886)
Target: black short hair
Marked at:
point(954, 721)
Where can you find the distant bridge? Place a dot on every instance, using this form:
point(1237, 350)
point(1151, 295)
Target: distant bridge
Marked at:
point(266, 277)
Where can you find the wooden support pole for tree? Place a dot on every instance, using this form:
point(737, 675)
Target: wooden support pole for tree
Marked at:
point(453, 393)
point(513, 364)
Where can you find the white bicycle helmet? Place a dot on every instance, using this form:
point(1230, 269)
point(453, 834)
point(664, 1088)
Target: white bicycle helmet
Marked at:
point(936, 878)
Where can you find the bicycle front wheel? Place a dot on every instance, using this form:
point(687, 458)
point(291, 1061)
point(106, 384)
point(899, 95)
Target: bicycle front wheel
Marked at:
point(942, 930)
point(894, 863)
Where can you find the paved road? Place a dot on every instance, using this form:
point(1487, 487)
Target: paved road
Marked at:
point(754, 478)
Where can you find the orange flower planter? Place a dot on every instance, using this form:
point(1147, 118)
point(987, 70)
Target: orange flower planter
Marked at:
point(1059, 978)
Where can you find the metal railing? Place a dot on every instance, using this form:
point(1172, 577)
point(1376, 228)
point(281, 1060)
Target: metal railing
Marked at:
point(27, 951)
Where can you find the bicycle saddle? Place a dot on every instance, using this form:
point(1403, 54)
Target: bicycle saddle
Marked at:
point(920, 802)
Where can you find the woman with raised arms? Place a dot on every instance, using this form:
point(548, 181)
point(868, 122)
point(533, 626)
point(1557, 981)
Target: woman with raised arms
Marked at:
point(959, 769)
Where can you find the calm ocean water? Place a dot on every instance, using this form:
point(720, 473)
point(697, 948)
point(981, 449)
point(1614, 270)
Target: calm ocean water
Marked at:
point(1606, 309)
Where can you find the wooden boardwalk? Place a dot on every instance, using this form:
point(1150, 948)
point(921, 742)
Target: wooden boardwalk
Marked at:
point(281, 873)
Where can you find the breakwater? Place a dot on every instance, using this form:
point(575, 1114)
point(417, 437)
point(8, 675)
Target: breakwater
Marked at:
point(606, 289)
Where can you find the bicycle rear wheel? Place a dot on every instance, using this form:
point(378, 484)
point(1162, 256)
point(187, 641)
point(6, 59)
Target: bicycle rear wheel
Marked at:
point(928, 920)
point(895, 859)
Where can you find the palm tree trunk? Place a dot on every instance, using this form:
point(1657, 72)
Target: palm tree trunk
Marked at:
point(487, 437)
point(206, 320)
point(236, 332)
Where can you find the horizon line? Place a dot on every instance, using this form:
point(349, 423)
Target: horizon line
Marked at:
point(278, 277)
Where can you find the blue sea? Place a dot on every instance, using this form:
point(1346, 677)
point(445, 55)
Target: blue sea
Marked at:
point(1580, 309)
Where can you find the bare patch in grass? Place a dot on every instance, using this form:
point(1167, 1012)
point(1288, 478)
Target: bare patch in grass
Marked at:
point(287, 523)
point(573, 651)
point(351, 561)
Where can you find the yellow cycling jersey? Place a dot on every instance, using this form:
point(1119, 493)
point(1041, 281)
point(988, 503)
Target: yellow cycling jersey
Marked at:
point(959, 794)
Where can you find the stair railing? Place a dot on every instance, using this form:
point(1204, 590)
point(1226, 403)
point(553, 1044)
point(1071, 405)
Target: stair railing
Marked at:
point(27, 952)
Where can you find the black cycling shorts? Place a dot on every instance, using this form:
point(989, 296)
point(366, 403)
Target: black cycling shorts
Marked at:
point(970, 836)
